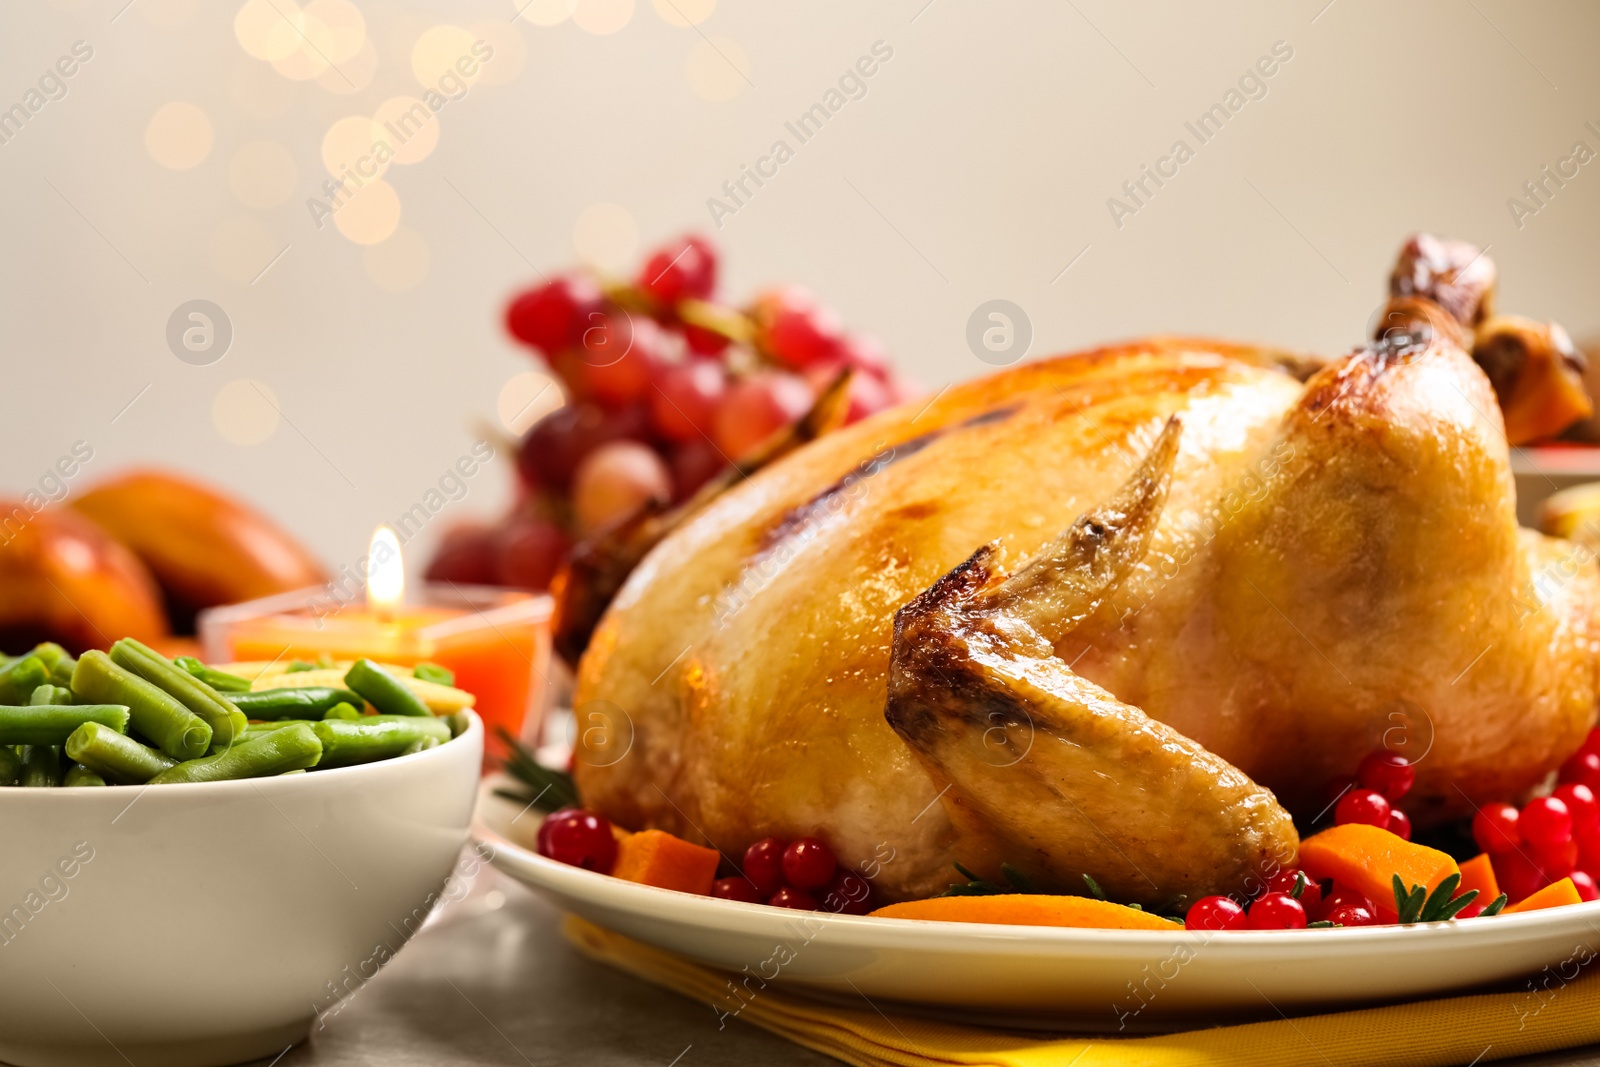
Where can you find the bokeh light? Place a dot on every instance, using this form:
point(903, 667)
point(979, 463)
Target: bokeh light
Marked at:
point(718, 69)
point(178, 136)
point(685, 13)
point(370, 214)
point(408, 127)
point(345, 26)
point(510, 51)
point(240, 248)
point(262, 174)
point(606, 236)
point(602, 16)
point(544, 12)
point(437, 53)
point(245, 412)
point(260, 27)
point(399, 264)
point(351, 75)
point(526, 398)
point(351, 147)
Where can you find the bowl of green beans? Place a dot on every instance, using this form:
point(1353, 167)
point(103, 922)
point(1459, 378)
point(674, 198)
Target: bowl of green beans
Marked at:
point(198, 865)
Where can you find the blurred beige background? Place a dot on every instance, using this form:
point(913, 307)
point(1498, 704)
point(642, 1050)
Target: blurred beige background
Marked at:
point(977, 164)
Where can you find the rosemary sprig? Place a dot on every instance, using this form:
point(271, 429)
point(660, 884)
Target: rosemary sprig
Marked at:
point(1094, 888)
point(551, 789)
point(1418, 905)
point(1496, 905)
point(1324, 924)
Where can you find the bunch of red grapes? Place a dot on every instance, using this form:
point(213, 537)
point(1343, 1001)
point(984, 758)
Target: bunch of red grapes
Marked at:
point(665, 387)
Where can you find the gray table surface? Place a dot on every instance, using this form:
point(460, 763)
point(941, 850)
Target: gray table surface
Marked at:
point(490, 980)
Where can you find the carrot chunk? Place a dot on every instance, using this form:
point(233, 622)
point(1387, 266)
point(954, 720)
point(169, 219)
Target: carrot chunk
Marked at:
point(1553, 895)
point(1367, 858)
point(655, 857)
point(1028, 909)
point(1478, 873)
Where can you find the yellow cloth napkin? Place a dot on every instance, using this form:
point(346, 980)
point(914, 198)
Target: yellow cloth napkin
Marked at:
point(1551, 1014)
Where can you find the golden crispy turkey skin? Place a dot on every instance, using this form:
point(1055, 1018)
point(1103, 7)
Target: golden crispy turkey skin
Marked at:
point(1336, 565)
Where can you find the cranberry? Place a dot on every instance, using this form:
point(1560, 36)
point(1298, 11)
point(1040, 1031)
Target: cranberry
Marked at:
point(1556, 861)
point(580, 838)
point(742, 889)
point(1591, 743)
point(1580, 801)
point(847, 893)
point(1545, 821)
point(1584, 882)
point(797, 899)
point(1352, 915)
point(1495, 828)
point(763, 865)
point(1276, 911)
point(1588, 838)
point(551, 317)
point(1342, 896)
point(1215, 913)
point(1388, 772)
point(1582, 767)
point(1400, 824)
point(1363, 806)
point(808, 864)
point(683, 268)
point(1473, 910)
point(1518, 875)
point(1284, 882)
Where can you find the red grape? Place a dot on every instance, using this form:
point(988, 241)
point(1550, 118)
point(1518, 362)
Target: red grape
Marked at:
point(557, 443)
point(1215, 913)
point(619, 380)
point(693, 464)
point(737, 889)
point(615, 481)
point(684, 402)
point(864, 353)
point(756, 408)
point(1545, 821)
point(550, 317)
point(686, 267)
point(808, 863)
point(1276, 911)
point(529, 551)
point(763, 865)
point(703, 342)
point(795, 328)
point(580, 838)
point(1495, 829)
point(467, 554)
point(867, 393)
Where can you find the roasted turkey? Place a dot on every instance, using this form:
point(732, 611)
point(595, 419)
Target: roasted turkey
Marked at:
point(1115, 613)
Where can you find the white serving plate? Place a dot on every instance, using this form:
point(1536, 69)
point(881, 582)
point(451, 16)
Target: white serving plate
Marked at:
point(1048, 978)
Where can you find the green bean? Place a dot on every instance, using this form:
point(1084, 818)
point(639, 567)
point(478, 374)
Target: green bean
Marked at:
point(342, 710)
point(305, 702)
point(297, 665)
point(221, 681)
point(375, 737)
point(432, 672)
point(383, 690)
point(421, 745)
point(155, 713)
point(79, 775)
point(20, 677)
point(57, 660)
point(41, 767)
point(51, 694)
point(10, 766)
point(52, 724)
point(225, 720)
point(115, 757)
point(293, 748)
point(459, 722)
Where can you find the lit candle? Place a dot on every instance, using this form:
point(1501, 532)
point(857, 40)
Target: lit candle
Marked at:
point(497, 641)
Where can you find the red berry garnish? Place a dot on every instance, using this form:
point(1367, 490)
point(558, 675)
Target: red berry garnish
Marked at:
point(1495, 828)
point(1400, 824)
point(683, 268)
point(1588, 839)
point(1556, 861)
point(1581, 803)
point(1518, 875)
point(683, 403)
point(808, 864)
point(1215, 913)
point(796, 329)
point(1471, 911)
point(1388, 772)
point(847, 893)
point(1363, 806)
point(551, 317)
point(1352, 915)
point(1591, 743)
point(1276, 911)
point(1585, 884)
point(1343, 895)
point(1545, 821)
point(763, 865)
point(742, 889)
point(798, 899)
point(1310, 895)
point(579, 838)
point(1582, 767)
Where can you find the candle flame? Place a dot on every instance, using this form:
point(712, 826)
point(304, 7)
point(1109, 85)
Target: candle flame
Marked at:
point(386, 572)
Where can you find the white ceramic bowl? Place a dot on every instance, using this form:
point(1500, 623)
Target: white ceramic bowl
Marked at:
point(193, 925)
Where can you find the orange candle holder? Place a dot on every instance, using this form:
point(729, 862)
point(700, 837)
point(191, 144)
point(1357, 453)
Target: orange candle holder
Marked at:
point(497, 641)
